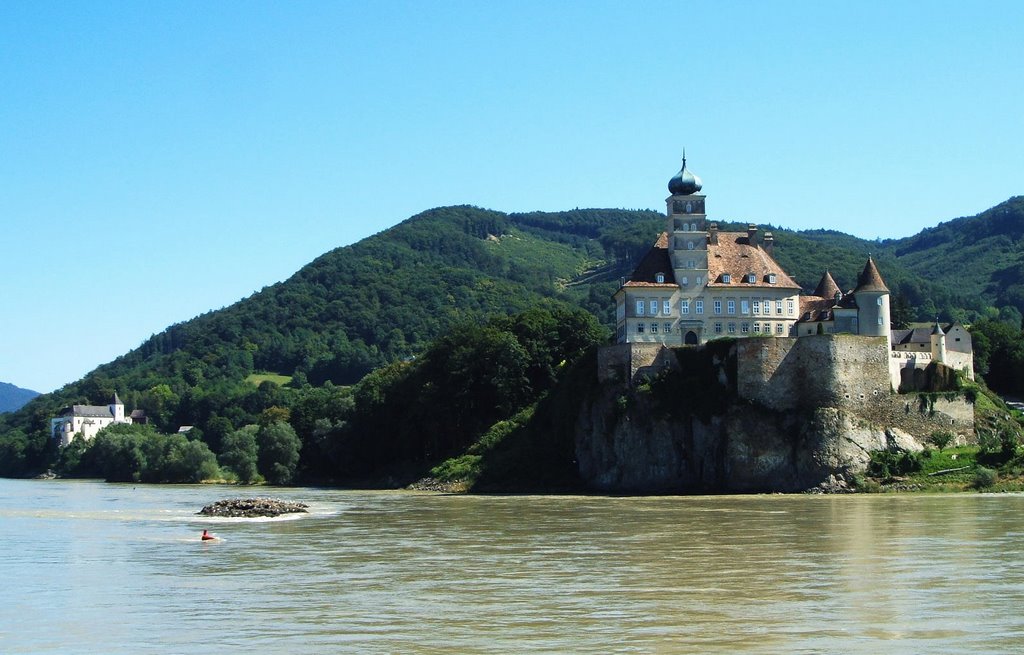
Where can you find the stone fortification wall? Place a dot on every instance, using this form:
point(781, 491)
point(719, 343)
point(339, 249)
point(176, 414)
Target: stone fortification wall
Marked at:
point(826, 370)
point(799, 413)
point(621, 362)
point(626, 362)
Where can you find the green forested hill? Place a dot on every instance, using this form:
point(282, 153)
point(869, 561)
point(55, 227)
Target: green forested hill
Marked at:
point(386, 298)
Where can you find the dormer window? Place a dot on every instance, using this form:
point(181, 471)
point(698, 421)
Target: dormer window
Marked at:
point(726, 278)
point(751, 278)
point(771, 278)
point(660, 278)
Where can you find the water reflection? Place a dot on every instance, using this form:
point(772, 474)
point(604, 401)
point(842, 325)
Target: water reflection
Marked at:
point(421, 573)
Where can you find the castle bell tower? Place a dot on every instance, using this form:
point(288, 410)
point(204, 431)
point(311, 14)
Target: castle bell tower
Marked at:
point(687, 231)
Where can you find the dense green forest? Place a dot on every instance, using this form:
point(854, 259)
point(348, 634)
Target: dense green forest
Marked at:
point(317, 351)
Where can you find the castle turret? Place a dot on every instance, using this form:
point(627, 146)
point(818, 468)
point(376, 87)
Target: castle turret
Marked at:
point(938, 343)
point(827, 287)
point(872, 302)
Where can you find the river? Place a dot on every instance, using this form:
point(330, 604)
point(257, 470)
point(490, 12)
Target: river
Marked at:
point(88, 567)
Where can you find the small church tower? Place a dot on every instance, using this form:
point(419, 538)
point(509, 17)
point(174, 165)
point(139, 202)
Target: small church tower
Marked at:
point(872, 302)
point(117, 409)
point(938, 344)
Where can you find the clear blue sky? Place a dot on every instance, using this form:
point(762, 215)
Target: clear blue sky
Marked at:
point(162, 159)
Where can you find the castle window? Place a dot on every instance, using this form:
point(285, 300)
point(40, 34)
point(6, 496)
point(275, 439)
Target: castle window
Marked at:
point(757, 308)
point(731, 305)
point(639, 328)
point(778, 328)
point(771, 278)
point(732, 328)
point(879, 301)
point(666, 307)
point(691, 263)
point(757, 328)
point(698, 306)
point(744, 306)
point(654, 307)
point(789, 307)
point(751, 278)
point(660, 278)
point(693, 227)
point(726, 278)
point(684, 306)
point(718, 306)
point(668, 328)
point(778, 307)
point(700, 280)
point(685, 281)
point(745, 328)
point(879, 320)
point(654, 327)
point(718, 328)
point(639, 307)
point(689, 245)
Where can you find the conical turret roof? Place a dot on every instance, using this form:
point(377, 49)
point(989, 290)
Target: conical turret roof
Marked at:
point(116, 400)
point(827, 288)
point(870, 279)
point(938, 329)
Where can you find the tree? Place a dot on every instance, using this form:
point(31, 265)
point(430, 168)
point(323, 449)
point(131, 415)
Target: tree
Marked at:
point(941, 438)
point(239, 453)
point(278, 452)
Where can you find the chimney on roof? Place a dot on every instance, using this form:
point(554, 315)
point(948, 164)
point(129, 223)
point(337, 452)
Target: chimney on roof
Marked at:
point(752, 234)
point(769, 243)
point(713, 234)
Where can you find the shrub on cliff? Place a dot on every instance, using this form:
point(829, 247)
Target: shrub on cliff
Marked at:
point(984, 478)
point(887, 463)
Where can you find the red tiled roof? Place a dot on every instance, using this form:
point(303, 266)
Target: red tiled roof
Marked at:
point(815, 308)
point(733, 254)
point(655, 261)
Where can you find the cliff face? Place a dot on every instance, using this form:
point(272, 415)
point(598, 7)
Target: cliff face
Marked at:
point(751, 416)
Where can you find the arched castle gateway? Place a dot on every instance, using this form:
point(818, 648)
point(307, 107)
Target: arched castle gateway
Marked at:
point(698, 283)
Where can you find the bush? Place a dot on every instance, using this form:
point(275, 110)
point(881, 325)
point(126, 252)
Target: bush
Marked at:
point(887, 463)
point(984, 478)
point(458, 469)
point(941, 438)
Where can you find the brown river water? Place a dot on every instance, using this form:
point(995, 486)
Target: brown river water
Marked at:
point(87, 567)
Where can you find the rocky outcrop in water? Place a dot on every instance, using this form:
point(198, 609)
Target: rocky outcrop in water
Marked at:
point(253, 507)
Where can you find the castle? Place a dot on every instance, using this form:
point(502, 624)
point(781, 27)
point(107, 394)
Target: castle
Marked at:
point(87, 420)
point(698, 283)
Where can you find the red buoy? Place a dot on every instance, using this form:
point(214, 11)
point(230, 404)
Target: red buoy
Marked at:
point(207, 536)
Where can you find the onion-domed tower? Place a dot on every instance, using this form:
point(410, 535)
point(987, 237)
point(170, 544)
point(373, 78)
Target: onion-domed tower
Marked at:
point(687, 230)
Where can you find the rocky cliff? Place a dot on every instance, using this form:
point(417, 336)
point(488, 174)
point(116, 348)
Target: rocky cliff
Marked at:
point(755, 415)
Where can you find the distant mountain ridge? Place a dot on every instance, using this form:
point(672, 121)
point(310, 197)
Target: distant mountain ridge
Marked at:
point(383, 299)
point(13, 397)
